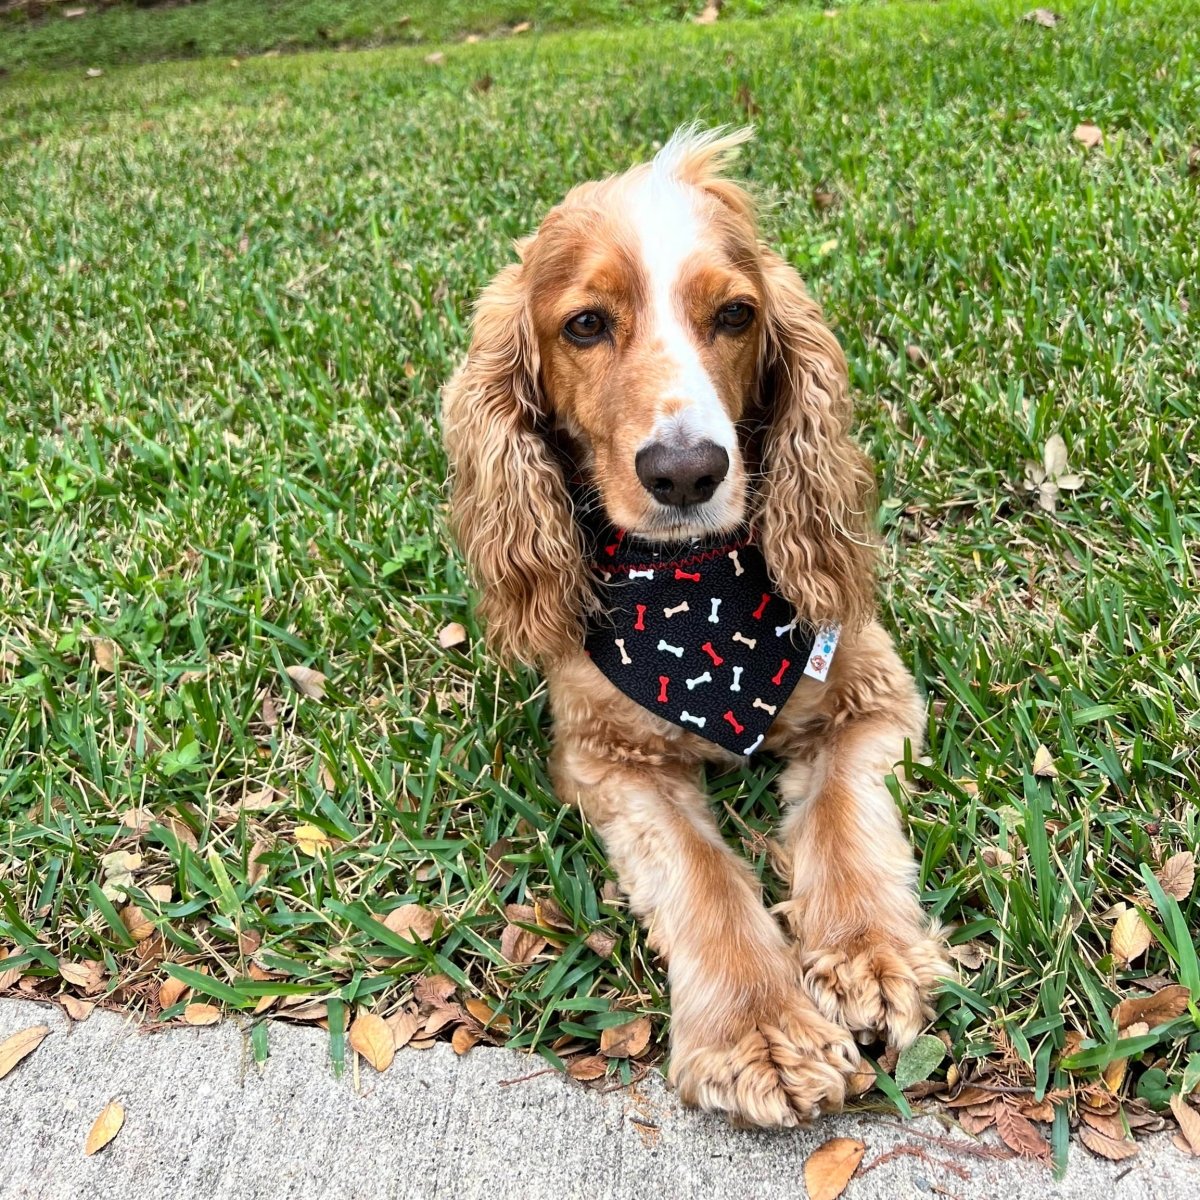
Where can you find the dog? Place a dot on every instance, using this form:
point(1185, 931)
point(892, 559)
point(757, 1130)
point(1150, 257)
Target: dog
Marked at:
point(650, 399)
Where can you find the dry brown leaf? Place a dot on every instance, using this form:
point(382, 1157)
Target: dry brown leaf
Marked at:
point(434, 989)
point(519, 945)
point(970, 954)
point(626, 1041)
point(1178, 875)
point(1021, 1135)
point(1088, 135)
point(201, 1014)
point(76, 1009)
point(160, 892)
point(10, 976)
point(521, 27)
point(139, 925)
point(303, 1008)
point(1130, 937)
point(1043, 764)
point(371, 1037)
point(137, 819)
point(105, 1127)
point(436, 59)
point(413, 922)
point(87, 973)
point(1189, 1121)
point(452, 635)
point(311, 840)
point(829, 1167)
point(21, 1044)
point(976, 1120)
point(1107, 1147)
point(463, 1039)
point(488, 1016)
point(993, 856)
point(171, 991)
point(404, 1026)
point(592, 1066)
point(1042, 1110)
point(601, 942)
point(710, 13)
point(1108, 1124)
point(255, 869)
point(93, 72)
point(440, 1018)
point(1045, 17)
point(104, 652)
point(308, 681)
point(551, 916)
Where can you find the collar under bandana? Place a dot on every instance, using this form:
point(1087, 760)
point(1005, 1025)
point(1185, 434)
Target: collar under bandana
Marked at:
point(696, 634)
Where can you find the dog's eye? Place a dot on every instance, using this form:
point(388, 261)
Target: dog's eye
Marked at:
point(586, 327)
point(735, 317)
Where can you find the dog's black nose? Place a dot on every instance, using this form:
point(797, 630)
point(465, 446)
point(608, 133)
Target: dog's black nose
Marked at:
point(681, 475)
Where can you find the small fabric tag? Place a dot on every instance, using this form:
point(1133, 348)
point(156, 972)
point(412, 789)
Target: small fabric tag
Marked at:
point(824, 644)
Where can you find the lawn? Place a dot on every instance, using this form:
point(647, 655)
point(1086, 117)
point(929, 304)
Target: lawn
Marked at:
point(230, 294)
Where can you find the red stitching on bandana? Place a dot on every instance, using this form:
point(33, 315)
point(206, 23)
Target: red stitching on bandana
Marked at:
point(693, 560)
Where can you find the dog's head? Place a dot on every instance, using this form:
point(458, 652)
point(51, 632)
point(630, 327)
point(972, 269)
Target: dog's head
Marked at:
point(693, 382)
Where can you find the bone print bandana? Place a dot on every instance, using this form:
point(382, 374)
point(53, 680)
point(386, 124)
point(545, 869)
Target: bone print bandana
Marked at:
point(696, 634)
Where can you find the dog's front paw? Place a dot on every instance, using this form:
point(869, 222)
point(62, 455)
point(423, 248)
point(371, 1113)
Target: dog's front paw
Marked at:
point(779, 1066)
point(877, 987)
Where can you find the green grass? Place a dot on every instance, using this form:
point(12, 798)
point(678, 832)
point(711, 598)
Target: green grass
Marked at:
point(230, 296)
point(125, 33)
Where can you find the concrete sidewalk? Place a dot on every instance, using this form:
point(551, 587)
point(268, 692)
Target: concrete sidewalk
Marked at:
point(201, 1121)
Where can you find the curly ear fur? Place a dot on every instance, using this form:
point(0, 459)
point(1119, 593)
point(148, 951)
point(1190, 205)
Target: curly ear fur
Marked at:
point(510, 509)
point(817, 501)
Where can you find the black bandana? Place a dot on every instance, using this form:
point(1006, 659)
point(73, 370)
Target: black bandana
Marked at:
point(696, 634)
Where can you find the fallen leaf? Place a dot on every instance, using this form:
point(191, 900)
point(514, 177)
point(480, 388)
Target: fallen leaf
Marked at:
point(626, 1041)
point(93, 72)
point(105, 1127)
point(436, 59)
point(830, 1167)
point(463, 1039)
point(521, 27)
point(404, 1026)
point(71, 13)
point(1088, 135)
point(77, 1010)
point(201, 1014)
point(19, 1046)
point(1021, 1135)
point(453, 634)
point(139, 925)
point(601, 942)
point(1163, 1006)
point(494, 858)
point(311, 840)
point(434, 989)
point(1178, 875)
point(993, 856)
point(137, 819)
point(1105, 1146)
point(11, 975)
point(1188, 1118)
point(823, 199)
point(104, 652)
point(310, 682)
point(919, 1060)
point(87, 973)
point(1043, 764)
point(256, 869)
point(916, 356)
point(1130, 937)
point(412, 922)
point(1044, 17)
point(551, 916)
point(710, 13)
point(592, 1066)
point(970, 954)
point(487, 1016)
point(519, 945)
point(371, 1037)
point(171, 991)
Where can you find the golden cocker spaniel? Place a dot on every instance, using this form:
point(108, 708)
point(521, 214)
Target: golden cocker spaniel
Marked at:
point(651, 403)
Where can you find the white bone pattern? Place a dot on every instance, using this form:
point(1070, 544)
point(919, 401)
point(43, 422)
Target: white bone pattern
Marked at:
point(670, 612)
point(675, 650)
point(751, 642)
point(695, 683)
point(736, 685)
point(712, 616)
point(780, 630)
point(699, 722)
point(769, 708)
point(641, 574)
point(620, 645)
point(754, 745)
point(738, 569)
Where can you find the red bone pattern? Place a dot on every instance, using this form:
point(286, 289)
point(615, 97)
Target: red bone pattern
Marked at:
point(640, 623)
point(734, 722)
point(777, 678)
point(663, 680)
point(762, 607)
point(717, 660)
point(695, 578)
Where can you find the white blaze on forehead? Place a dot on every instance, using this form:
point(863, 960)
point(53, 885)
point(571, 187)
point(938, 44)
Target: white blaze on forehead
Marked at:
point(668, 231)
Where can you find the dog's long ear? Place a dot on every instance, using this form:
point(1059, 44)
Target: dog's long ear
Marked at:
point(815, 515)
point(510, 509)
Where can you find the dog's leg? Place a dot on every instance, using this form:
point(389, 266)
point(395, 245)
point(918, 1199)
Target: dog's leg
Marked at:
point(867, 954)
point(745, 1040)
